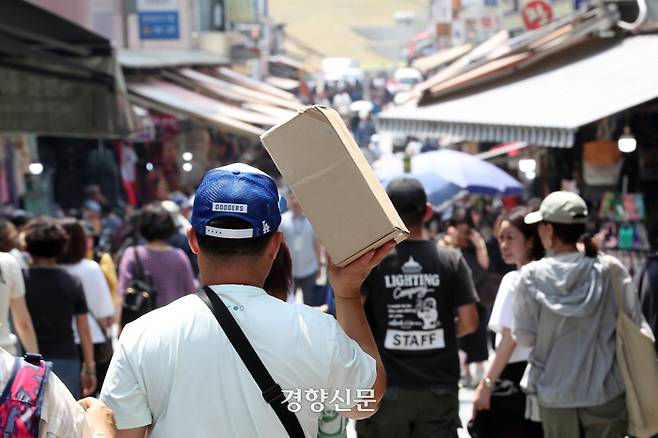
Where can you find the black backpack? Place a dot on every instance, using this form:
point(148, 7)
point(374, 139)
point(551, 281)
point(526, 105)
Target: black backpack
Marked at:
point(140, 295)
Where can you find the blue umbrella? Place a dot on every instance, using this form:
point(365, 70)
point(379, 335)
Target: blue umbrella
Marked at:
point(463, 170)
point(438, 189)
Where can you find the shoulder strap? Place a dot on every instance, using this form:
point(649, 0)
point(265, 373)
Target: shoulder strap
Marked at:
point(643, 273)
point(100, 327)
point(139, 269)
point(271, 391)
point(614, 279)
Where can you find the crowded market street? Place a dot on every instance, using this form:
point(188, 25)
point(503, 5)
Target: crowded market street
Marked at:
point(328, 218)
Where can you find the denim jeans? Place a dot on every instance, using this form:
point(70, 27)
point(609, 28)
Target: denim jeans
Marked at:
point(68, 371)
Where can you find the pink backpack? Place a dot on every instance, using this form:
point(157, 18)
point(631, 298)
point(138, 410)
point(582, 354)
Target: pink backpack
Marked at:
point(22, 398)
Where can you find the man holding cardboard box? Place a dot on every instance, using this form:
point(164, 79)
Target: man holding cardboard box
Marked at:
point(183, 370)
point(412, 299)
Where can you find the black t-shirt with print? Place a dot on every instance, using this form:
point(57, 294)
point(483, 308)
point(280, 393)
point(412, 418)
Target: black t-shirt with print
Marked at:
point(53, 298)
point(411, 304)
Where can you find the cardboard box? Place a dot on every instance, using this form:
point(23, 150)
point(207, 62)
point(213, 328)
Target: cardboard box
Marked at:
point(338, 191)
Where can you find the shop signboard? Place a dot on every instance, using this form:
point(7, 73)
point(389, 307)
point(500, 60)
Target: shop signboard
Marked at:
point(536, 14)
point(522, 15)
point(241, 11)
point(158, 19)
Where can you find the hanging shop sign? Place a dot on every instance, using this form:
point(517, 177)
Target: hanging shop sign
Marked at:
point(520, 15)
point(158, 19)
point(536, 14)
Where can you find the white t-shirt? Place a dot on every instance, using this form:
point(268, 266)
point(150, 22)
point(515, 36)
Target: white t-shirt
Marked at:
point(97, 294)
point(11, 286)
point(300, 237)
point(502, 315)
point(61, 416)
point(175, 368)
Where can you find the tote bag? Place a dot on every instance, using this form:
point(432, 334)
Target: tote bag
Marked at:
point(636, 357)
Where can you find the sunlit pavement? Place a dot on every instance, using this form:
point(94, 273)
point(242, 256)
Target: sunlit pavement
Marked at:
point(465, 409)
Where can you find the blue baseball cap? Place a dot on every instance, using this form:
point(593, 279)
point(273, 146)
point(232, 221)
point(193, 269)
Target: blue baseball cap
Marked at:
point(238, 191)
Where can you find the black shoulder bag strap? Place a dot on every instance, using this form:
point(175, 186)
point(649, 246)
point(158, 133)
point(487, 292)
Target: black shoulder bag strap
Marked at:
point(139, 269)
point(271, 391)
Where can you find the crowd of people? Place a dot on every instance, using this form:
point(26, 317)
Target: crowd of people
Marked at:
point(379, 342)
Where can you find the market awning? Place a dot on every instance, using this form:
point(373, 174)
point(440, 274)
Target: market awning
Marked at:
point(282, 83)
point(435, 60)
point(503, 149)
point(249, 82)
point(288, 62)
point(546, 104)
point(228, 90)
point(56, 77)
point(172, 99)
point(159, 58)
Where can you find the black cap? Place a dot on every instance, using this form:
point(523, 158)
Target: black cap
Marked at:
point(408, 195)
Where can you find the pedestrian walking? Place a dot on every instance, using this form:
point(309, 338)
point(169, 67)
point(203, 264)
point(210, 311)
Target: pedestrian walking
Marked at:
point(167, 268)
point(10, 242)
point(419, 300)
point(54, 299)
point(12, 298)
point(566, 311)
point(316, 359)
point(504, 415)
point(474, 250)
point(305, 250)
point(179, 237)
point(278, 284)
point(100, 315)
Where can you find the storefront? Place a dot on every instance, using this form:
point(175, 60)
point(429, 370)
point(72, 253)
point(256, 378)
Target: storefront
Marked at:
point(570, 95)
point(213, 116)
point(57, 80)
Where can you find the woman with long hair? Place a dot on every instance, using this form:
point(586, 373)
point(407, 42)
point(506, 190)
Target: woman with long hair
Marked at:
point(565, 310)
point(97, 293)
point(519, 245)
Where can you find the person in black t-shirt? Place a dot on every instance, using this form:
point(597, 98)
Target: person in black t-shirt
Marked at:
point(55, 298)
point(419, 300)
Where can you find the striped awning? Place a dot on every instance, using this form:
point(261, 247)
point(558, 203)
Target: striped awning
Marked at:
point(555, 137)
point(543, 107)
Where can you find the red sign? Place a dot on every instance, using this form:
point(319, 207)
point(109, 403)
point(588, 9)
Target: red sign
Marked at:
point(536, 14)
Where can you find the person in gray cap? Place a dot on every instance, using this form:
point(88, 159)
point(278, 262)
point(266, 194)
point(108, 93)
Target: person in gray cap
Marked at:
point(566, 311)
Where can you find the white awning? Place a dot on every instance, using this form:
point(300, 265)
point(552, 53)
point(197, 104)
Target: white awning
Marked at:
point(172, 99)
point(157, 58)
point(541, 106)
